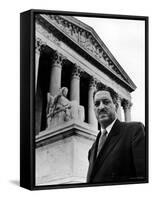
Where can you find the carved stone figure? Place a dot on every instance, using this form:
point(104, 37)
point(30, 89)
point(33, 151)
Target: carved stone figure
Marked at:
point(62, 103)
point(58, 105)
point(60, 109)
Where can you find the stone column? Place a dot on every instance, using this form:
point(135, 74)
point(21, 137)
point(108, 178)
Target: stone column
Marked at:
point(127, 109)
point(119, 108)
point(55, 80)
point(38, 48)
point(75, 84)
point(91, 114)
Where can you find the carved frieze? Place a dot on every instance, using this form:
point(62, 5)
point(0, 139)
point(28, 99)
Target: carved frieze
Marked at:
point(50, 36)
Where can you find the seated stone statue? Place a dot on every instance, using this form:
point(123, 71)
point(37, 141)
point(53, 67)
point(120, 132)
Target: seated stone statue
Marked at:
point(61, 103)
point(60, 109)
point(58, 105)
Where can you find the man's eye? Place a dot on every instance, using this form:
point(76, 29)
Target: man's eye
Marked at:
point(97, 103)
point(106, 102)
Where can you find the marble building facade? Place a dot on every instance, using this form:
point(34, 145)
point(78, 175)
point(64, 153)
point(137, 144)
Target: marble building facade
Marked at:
point(70, 60)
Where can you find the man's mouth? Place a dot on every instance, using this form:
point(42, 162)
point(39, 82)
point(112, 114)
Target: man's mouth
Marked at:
point(102, 115)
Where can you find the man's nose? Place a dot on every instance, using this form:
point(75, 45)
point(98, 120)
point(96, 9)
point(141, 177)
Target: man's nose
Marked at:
point(101, 105)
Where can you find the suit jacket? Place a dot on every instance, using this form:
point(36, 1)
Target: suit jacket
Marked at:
point(122, 158)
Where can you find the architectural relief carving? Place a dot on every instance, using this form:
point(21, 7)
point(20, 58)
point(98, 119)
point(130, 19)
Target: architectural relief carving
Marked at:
point(47, 34)
point(66, 26)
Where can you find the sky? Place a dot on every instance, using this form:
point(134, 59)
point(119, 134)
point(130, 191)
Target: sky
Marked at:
point(126, 41)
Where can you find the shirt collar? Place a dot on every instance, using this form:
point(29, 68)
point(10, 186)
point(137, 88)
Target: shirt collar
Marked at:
point(108, 129)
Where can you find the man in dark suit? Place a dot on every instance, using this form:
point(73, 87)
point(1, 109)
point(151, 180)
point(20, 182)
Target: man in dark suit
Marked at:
point(118, 153)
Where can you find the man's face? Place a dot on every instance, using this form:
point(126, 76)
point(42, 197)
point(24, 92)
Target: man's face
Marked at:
point(105, 109)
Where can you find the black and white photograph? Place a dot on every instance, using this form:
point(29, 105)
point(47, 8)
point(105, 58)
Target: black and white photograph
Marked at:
point(90, 111)
point(76, 112)
point(76, 100)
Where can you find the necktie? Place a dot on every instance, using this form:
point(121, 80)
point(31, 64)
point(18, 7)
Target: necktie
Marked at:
point(102, 140)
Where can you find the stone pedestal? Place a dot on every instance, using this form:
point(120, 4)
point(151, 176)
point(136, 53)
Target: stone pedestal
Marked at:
point(62, 154)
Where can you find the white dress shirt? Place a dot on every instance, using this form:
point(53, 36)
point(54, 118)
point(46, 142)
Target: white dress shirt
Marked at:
point(103, 136)
point(108, 129)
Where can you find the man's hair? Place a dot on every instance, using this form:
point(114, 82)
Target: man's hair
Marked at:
point(113, 94)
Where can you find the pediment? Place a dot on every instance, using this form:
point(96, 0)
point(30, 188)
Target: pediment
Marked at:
point(86, 37)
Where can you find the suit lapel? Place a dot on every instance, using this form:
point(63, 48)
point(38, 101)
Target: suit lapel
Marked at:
point(93, 157)
point(110, 143)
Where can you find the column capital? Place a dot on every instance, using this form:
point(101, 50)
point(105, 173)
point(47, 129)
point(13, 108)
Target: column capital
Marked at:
point(58, 58)
point(76, 71)
point(126, 104)
point(92, 82)
point(39, 44)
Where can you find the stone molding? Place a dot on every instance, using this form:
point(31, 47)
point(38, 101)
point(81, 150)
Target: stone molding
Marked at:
point(65, 130)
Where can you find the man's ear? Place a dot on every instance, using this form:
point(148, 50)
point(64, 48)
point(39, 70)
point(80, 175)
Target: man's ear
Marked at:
point(116, 106)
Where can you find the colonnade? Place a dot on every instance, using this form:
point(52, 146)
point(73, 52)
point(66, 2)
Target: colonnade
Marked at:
point(55, 85)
